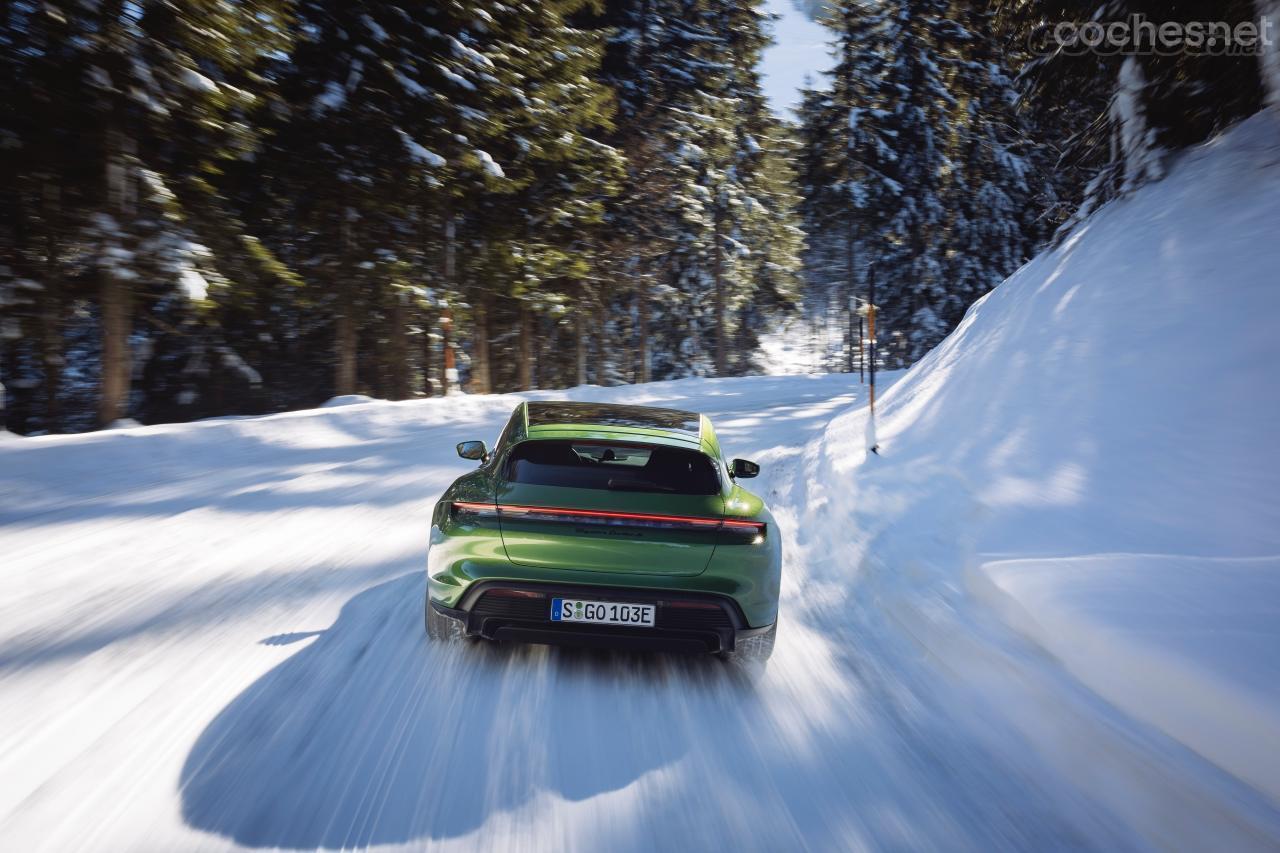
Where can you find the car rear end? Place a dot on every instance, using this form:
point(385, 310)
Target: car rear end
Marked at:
point(607, 534)
point(641, 618)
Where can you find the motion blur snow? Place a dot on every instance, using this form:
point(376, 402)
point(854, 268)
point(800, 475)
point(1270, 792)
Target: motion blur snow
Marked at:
point(1044, 618)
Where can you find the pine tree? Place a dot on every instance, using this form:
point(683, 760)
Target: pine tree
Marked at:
point(916, 170)
point(1114, 115)
point(847, 188)
point(152, 95)
point(541, 221)
point(386, 120)
point(992, 227)
point(916, 108)
point(701, 196)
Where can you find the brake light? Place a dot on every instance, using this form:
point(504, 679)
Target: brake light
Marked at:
point(754, 530)
point(607, 516)
point(465, 511)
point(750, 531)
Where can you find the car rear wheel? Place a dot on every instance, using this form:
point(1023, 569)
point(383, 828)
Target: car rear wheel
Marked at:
point(441, 628)
point(753, 649)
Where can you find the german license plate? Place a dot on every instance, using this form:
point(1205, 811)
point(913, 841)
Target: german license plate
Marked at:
point(602, 612)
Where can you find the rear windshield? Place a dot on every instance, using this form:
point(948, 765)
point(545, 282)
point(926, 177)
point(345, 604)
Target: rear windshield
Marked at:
point(616, 467)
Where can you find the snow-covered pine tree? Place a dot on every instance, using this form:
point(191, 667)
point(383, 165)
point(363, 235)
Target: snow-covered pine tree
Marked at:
point(897, 126)
point(822, 210)
point(766, 239)
point(912, 116)
point(384, 119)
point(153, 94)
point(776, 241)
point(44, 179)
point(989, 191)
point(847, 191)
point(701, 193)
point(648, 59)
point(654, 64)
point(703, 126)
point(1115, 114)
point(915, 167)
point(541, 220)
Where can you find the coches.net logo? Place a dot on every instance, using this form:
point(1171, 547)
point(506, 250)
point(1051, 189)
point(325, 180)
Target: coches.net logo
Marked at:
point(1139, 35)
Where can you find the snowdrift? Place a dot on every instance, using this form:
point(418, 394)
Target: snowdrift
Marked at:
point(1093, 453)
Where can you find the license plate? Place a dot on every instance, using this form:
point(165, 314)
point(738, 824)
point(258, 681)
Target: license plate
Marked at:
point(602, 612)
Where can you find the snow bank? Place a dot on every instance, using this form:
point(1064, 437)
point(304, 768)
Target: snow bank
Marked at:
point(1116, 396)
point(1188, 643)
point(346, 400)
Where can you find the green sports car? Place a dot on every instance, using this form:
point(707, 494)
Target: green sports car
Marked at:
point(622, 526)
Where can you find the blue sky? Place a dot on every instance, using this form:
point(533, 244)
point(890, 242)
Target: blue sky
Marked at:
point(801, 49)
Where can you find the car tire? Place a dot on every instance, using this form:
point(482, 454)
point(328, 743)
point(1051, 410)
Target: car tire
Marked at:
point(441, 628)
point(755, 649)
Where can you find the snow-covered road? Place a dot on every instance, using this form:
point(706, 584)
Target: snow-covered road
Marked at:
point(211, 636)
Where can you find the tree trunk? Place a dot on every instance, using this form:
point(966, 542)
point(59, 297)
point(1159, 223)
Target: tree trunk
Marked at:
point(426, 353)
point(448, 359)
point(871, 336)
point(850, 299)
point(717, 256)
point(399, 346)
point(642, 333)
point(116, 293)
point(51, 312)
point(862, 357)
point(848, 334)
point(344, 381)
point(546, 343)
point(51, 352)
point(602, 321)
point(481, 375)
point(116, 299)
point(526, 348)
point(580, 338)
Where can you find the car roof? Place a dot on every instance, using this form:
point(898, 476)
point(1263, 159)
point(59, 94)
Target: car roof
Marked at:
point(617, 422)
point(613, 415)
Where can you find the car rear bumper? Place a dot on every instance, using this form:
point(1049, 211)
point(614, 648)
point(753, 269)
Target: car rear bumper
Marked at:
point(519, 611)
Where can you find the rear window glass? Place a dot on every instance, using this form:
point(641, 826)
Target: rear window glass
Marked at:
point(615, 467)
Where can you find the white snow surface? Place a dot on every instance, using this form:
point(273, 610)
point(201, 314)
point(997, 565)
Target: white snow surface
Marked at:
point(1188, 643)
point(1092, 453)
point(1043, 619)
point(348, 400)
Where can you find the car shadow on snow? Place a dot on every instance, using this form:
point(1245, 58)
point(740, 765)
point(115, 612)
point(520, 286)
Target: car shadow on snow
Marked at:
point(373, 735)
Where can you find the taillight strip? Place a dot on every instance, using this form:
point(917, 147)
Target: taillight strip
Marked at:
point(514, 509)
point(564, 512)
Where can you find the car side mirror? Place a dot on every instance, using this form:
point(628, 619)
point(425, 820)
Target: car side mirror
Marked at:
point(744, 469)
point(472, 450)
